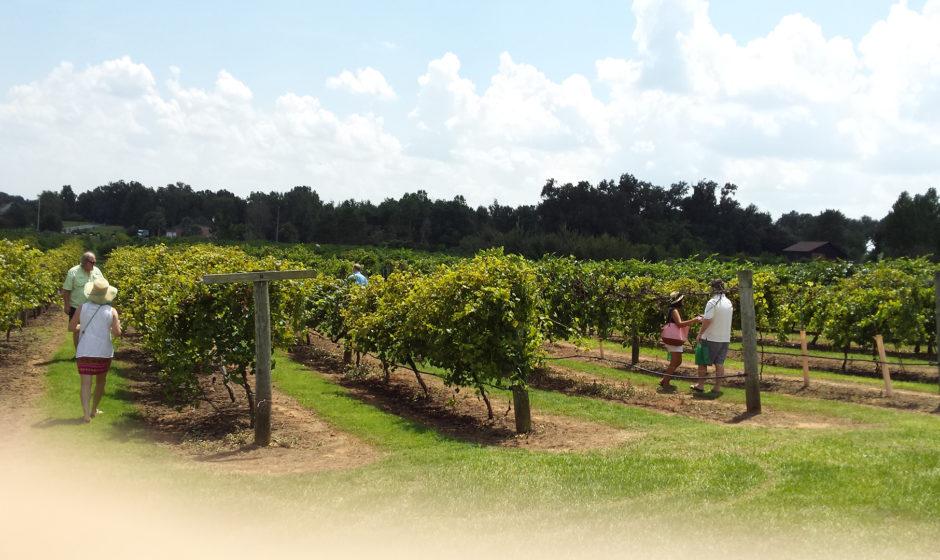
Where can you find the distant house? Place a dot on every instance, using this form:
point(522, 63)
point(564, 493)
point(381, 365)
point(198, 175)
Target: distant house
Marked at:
point(191, 231)
point(814, 250)
point(76, 229)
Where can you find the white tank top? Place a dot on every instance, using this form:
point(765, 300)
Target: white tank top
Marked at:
point(94, 339)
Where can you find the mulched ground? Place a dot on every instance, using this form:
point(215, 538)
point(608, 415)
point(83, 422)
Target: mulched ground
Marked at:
point(23, 359)
point(845, 391)
point(218, 431)
point(461, 414)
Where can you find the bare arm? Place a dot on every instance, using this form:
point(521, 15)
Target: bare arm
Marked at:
point(705, 324)
point(73, 322)
point(66, 298)
point(115, 323)
point(677, 319)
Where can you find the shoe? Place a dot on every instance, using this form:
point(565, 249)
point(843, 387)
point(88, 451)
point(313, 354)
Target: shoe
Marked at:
point(696, 389)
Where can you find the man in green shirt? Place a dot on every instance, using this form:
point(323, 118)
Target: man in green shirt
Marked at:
point(73, 289)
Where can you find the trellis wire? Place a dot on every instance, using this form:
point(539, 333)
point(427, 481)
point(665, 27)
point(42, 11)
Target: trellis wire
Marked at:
point(646, 370)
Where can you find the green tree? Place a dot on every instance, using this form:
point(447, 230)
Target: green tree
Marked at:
point(69, 200)
point(912, 227)
point(50, 211)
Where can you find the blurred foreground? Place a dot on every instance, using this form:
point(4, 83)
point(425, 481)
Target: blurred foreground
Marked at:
point(59, 505)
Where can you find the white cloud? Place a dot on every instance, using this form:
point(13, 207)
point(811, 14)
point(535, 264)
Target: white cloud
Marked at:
point(790, 114)
point(795, 119)
point(110, 122)
point(230, 88)
point(367, 81)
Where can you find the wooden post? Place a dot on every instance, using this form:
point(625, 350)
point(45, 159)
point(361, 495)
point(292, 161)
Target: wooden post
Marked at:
point(262, 371)
point(805, 358)
point(262, 364)
point(936, 297)
point(879, 341)
point(749, 340)
point(600, 346)
point(520, 402)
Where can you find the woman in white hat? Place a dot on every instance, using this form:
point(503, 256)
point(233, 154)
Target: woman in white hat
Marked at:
point(95, 321)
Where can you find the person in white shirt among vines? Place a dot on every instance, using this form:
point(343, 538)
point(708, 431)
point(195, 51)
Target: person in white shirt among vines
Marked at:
point(715, 334)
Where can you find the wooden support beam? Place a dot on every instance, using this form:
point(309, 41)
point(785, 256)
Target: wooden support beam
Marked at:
point(256, 276)
point(262, 370)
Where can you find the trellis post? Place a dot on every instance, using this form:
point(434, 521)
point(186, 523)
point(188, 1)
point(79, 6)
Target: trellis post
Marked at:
point(749, 340)
point(262, 370)
point(936, 297)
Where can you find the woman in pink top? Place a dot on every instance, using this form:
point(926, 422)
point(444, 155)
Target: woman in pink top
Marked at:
point(675, 352)
point(95, 322)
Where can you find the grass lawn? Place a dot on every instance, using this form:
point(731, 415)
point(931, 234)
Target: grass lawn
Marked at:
point(680, 487)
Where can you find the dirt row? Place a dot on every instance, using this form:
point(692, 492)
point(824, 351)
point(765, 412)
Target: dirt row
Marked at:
point(918, 368)
point(845, 391)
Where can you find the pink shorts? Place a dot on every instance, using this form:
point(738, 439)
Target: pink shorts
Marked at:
point(93, 366)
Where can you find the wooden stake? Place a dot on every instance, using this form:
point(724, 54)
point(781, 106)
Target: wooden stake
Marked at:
point(879, 341)
point(523, 412)
point(749, 340)
point(262, 364)
point(600, 345)
point(936, 297)
point(805, 358)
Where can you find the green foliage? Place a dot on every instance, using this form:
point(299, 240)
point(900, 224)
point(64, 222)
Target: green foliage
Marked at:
point(485, 319)
point(383, 320)
point(614, 219)
point(30, 278)
point(882, 299)
point(194, 328)
point(912, 228)
point(481, 321)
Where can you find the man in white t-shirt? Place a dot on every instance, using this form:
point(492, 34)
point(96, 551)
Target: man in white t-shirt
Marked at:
point(715, 333)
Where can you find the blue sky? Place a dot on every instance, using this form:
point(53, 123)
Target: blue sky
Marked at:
point(804, 105)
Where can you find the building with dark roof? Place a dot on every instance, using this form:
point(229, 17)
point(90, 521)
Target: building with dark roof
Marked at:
point(814, 250)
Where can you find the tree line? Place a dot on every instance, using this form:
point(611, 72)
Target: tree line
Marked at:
point(626, 218)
